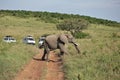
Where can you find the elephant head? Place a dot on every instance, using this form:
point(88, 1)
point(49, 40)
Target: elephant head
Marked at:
point(68, 38)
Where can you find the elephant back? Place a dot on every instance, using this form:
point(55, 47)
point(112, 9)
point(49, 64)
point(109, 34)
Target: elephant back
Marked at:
point(52, 41)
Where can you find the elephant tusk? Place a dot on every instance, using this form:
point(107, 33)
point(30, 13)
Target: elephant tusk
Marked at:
point(76, 46)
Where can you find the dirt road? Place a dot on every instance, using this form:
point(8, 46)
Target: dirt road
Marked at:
point(42, 70)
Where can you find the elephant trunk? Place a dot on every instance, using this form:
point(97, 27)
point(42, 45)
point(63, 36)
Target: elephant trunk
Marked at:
point(76, 47)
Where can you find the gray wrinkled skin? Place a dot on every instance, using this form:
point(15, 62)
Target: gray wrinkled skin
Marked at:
point(53, 42)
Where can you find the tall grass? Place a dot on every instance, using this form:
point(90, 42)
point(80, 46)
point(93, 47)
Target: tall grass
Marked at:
point(13, 56)
point(99, 58)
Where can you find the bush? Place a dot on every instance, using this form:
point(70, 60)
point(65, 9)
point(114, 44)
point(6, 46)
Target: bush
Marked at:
point(73, 25)
point(80, 35)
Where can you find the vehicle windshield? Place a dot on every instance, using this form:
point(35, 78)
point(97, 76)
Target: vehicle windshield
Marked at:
point(30, 39)
point(41, 39)
point(12, 39)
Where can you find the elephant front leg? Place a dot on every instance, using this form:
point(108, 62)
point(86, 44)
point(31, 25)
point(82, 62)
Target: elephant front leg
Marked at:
point(62, 49)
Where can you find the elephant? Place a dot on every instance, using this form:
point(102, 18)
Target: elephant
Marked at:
point(53, 42)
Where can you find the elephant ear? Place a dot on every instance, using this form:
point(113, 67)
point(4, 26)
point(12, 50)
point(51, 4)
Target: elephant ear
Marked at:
point(63, 38)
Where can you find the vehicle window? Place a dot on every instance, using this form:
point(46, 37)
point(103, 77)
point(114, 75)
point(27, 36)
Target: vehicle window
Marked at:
point(31, 39)
point(12, 39)
point(6, 38)
point(42, 39)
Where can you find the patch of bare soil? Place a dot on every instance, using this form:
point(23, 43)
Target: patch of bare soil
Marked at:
point(54, 68)
point(42, 70)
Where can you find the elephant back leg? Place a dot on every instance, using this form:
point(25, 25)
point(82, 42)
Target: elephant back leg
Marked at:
point(46, 51)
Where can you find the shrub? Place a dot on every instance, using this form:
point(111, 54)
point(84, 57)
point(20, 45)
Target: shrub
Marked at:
point(73, 25)
point(80, 35)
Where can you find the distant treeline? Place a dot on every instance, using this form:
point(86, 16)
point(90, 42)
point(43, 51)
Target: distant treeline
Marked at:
point(56, 17)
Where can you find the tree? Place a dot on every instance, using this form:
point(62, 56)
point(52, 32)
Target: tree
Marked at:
point(73, 25)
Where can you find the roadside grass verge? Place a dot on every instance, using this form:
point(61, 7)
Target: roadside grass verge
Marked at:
point(13, 56)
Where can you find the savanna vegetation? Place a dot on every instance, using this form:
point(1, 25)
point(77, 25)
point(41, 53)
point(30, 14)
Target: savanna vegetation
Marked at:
point(99, 58)
point(56, 17)
point(100, 50)
point(13, 56)
point(74, 26)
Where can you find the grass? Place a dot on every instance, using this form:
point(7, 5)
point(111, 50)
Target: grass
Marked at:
point(99, 58)
point(13, 56)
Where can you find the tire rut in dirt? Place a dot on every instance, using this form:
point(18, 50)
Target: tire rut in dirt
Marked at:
point(33, 71)
point(54, 68)
point(42, 70)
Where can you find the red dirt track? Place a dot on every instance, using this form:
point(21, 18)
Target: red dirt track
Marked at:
point(42, 70)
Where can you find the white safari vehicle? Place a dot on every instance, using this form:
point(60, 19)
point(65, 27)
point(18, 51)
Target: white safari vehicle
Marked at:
point(9, 39)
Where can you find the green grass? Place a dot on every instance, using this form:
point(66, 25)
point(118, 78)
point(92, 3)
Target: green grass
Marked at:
point(13, 56)
point(99, 58)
